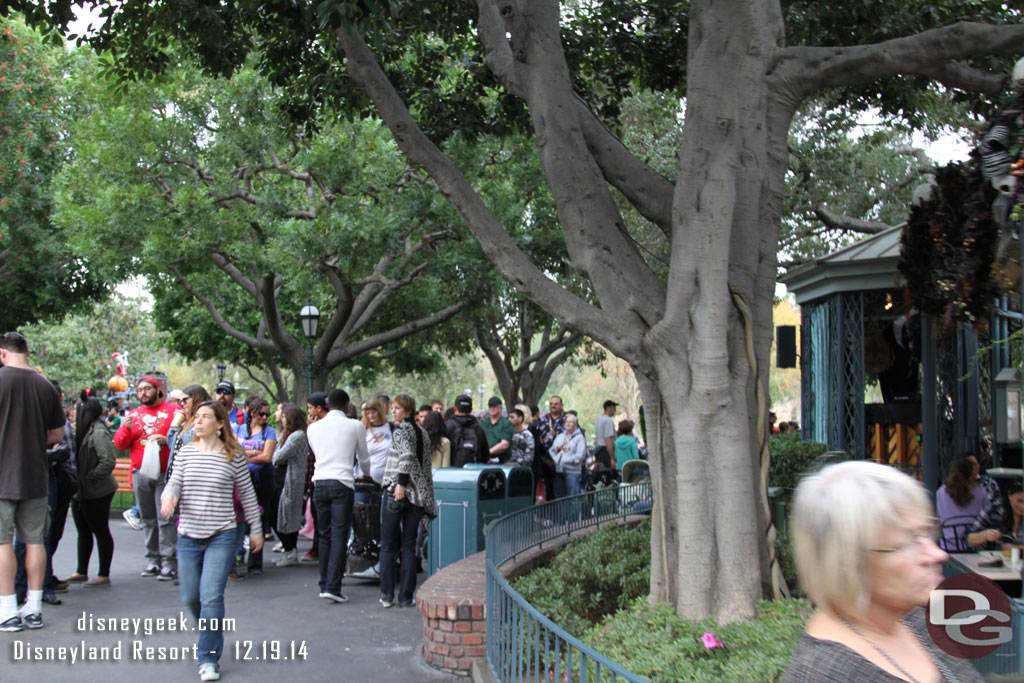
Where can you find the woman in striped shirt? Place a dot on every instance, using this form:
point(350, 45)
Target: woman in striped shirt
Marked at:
point(206, 471)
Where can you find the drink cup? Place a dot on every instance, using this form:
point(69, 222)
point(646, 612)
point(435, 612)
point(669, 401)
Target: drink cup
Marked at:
point(1015, 555)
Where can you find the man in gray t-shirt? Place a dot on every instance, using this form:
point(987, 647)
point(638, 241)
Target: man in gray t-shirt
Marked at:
point(604, 435)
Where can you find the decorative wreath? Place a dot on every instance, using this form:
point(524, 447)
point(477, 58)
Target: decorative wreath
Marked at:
point(951, 254)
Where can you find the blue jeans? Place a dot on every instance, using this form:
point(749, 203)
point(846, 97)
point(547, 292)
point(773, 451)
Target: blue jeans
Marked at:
point(333, 501)
point(203, 566)
point(398, 532)
point(567, 484)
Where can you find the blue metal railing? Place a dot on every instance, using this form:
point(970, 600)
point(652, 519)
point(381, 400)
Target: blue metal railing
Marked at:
point(523, 644)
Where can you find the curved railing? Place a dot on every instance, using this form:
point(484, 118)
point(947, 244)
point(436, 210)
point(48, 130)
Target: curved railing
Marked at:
point(523, 644)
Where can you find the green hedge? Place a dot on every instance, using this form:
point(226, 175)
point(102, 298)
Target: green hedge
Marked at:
point(596, 588)
point(592, 578)
point(661, 646)
point(791, 457)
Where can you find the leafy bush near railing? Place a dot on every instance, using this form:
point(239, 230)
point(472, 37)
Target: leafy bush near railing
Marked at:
point(660, 646)
point(791, 457)
point(592, 577)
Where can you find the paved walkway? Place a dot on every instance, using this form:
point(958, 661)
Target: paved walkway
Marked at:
point(278, 612)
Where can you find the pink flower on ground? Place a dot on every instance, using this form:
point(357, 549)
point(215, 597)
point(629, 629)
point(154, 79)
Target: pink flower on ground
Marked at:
point(711, 641)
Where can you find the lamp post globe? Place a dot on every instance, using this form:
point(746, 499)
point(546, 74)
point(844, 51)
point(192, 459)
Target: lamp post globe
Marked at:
point(309, 317)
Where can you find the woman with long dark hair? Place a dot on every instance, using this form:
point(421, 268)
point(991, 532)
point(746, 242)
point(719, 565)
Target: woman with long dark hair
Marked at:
point(95, 457)
point(440, 446)
point(259, 440)
point(209, 469)
point(293, 455)
point(408, 496)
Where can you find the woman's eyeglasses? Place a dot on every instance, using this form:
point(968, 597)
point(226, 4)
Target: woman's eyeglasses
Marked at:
point(917, 539)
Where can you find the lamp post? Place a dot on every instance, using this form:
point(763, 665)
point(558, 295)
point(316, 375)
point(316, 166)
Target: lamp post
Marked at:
point(309, 316)
point(221, 367)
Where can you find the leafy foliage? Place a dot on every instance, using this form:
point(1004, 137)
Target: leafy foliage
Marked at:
point(791, 458)
point(592, 578)
point(661, 646)
point(595, 588)
point(76, 352)
point(226, 196)
point(38, 275)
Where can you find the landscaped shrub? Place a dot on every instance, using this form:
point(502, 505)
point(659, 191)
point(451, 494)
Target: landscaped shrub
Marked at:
point(661, 646)
point(591, 578)
point(596, 588)
point(791, 457)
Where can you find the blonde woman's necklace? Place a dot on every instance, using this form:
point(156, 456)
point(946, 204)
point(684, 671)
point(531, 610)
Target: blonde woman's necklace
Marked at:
point(944, 671)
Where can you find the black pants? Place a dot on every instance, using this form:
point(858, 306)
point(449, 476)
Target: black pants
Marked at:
point(92, 519)
point(288, 540)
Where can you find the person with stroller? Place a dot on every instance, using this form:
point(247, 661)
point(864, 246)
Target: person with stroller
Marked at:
point(408, 496)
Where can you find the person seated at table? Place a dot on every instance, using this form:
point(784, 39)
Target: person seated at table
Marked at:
point(868, 576)
point(963, 495)
point(1000, 526)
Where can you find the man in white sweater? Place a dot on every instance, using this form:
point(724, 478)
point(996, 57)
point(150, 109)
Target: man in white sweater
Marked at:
point(335, 440)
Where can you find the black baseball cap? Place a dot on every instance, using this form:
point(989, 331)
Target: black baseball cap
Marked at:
point(225, 387)
point(493, 401)
point(609, 404)
point(464, 403)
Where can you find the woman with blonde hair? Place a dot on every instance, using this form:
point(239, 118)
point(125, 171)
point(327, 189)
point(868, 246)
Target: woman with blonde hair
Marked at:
point(209, 468)
point(868, 576)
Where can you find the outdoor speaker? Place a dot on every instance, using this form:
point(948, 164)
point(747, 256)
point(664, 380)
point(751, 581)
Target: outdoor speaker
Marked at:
point(785, 346)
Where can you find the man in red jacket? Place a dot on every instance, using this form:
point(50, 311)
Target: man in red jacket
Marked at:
point(150, 423)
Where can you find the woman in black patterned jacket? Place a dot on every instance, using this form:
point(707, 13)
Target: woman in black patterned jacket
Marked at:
point(408, 496)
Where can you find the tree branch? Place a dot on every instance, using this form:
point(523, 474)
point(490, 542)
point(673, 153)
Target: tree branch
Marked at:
point(849, 223)
point(236, 275)
point(648, 191)
point(495, 241)
point(228, 328)
point(256, 379)
point(499, 363)
point(933, 53)
point(284, 342)
point(352, 350)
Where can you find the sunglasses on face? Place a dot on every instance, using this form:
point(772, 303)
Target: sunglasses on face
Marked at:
point(263, 414)
point(223, 391)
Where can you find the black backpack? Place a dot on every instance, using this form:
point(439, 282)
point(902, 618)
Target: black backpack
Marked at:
point(465, 445)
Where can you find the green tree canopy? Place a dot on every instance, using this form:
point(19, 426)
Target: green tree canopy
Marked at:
point(204, 187)
point(697, 330)
point(38, 274)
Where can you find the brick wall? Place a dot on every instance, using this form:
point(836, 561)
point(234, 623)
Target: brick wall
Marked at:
point(452, 603)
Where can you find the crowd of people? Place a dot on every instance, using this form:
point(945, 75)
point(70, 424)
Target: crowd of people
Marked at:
point(214, 480)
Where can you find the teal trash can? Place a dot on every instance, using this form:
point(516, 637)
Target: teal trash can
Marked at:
point(468, 499)
point(520, 491)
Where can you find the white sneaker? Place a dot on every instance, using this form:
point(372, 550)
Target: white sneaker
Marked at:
point(133, 520)
point(279, 548)
point(208, 671)
point(288, 559)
